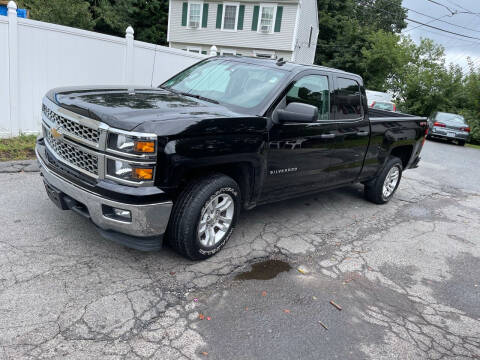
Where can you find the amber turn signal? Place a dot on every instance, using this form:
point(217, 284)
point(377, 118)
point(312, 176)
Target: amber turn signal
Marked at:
point(142, 174)
point(144, 146)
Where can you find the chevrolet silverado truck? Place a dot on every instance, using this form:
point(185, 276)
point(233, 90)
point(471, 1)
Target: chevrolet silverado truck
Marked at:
point(179, 162)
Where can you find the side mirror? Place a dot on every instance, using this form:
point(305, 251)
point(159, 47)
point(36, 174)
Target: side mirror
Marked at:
point(298, 113)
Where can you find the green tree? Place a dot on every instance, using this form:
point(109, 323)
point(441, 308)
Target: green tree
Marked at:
point(74, 13)
point(348, 27)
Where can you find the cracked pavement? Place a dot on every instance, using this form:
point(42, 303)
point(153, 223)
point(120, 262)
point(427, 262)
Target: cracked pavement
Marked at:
point(407, 275)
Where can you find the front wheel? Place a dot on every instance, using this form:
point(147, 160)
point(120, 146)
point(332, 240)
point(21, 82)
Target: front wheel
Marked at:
point(204, 216)
point(381, 189)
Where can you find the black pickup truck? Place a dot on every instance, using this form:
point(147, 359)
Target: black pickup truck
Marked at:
point(180, 161)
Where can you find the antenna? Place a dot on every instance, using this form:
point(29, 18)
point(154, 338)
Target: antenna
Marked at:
point(281, 62)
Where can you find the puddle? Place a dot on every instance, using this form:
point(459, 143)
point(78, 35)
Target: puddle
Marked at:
point(264, 270)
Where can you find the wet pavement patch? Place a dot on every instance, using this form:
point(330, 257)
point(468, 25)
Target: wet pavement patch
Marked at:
point(264, 270)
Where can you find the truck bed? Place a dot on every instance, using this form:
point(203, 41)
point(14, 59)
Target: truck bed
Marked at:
point(382, 115)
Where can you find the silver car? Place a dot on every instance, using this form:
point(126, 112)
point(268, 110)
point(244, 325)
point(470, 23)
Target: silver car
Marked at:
point(448, 126)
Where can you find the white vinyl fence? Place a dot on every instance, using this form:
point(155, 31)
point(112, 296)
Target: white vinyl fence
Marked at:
point(37, 56)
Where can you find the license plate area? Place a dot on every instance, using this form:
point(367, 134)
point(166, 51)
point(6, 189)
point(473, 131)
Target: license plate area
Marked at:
point(56, 196)
point(451, 134)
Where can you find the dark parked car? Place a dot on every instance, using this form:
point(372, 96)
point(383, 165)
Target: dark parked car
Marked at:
point(180, 161)
point(448, 126)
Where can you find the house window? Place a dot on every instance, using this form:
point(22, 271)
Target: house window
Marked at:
point(263, 54)
point(194, 14)
point(228, 52)
point(195, 50)
point(230, 17)
point(267, 14)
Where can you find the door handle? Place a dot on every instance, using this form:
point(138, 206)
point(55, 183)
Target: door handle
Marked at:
point(362, 133)
point(327, 136)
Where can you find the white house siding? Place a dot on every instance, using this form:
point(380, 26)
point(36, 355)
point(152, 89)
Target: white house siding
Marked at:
point(286, 55)
point(241, 38)
point(305, 54)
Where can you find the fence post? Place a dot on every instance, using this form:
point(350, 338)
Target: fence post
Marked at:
point(129, 66)
point(13, 67)
point(213, 51)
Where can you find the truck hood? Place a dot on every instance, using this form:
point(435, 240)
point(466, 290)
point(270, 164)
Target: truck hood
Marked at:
point(140, 109)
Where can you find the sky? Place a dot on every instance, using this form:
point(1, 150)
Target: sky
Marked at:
point(456, 12)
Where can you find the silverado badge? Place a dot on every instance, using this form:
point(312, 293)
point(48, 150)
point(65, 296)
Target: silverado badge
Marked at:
point(55, 133)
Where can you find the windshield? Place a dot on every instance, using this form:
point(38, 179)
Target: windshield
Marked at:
point(384, 106)
point(227, 82)
point(450, 118)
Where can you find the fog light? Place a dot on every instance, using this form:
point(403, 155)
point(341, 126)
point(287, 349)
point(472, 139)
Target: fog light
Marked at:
point(116, 213)
point(126, 214)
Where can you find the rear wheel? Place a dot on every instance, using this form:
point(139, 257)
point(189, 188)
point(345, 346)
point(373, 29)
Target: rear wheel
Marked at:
point(204, 216)
point(381, 189)
point(461, 142)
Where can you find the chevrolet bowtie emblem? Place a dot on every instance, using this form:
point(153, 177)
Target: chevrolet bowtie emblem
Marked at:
point(55, 133)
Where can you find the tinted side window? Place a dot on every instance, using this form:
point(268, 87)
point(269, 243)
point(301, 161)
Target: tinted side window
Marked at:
point(313, 90)
point(348, 99)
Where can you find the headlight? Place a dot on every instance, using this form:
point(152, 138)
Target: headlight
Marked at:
point(132, 144)
point(129, 172)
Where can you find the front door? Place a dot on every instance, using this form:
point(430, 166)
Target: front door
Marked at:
point(299, 153)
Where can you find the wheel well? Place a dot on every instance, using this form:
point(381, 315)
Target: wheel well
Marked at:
point(404, 153)
point(242, 173)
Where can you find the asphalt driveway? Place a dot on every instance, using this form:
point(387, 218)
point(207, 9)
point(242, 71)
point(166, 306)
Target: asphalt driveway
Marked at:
point(406, 276)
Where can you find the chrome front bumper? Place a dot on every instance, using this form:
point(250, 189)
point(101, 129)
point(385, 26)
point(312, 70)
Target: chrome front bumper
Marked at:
point(147, 220)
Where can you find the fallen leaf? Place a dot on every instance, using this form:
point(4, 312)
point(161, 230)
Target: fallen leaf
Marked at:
point(314, 297)
point(204, 353)
point(286, 311)
point(264, 293)
point(301, 271)
point(195, 299)
point(172, 272)
point(201, 316)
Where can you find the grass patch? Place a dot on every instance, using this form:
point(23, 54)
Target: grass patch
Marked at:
point(18, 148)
point(473, 146)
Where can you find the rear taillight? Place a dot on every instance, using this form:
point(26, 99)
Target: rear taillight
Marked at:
point(439, 124)
point(426, 132)
point(373, 104)
point(467, 129)
point(394, 107)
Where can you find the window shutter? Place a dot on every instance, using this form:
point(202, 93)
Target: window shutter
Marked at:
point(184, 14)
point(278, 20)
point(219, 16)
point(241, 15)
point(205, 15)
point(256, 10)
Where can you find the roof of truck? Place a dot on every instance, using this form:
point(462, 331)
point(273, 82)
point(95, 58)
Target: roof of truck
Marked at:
point(286, 65)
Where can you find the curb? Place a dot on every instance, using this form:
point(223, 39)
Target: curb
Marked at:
point(16, 166)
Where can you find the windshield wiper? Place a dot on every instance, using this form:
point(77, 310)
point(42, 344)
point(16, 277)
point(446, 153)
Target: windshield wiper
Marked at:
point(199, 97)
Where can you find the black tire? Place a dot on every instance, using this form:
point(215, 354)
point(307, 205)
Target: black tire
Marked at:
point(374, 188)
point(185, 218)
point(461, 142)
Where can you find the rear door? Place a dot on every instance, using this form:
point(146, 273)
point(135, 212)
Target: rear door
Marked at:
point(352, 131)
point(299, 153)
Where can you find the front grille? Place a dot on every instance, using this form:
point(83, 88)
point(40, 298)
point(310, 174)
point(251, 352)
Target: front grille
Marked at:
point(72, 154)
point(71, 127)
